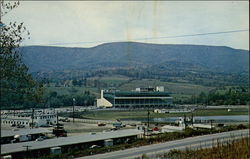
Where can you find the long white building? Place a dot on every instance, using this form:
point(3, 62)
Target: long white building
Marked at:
point(40, 118)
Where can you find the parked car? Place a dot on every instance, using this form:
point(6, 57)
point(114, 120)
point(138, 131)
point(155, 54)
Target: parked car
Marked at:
point(94, 146)
point(41, 138)
point(101, 124)
point(21, 138)
point(113, 129)
point(13, 125)
point(20, 126)
point(66, 120)
point(155, 129)
point(59, 131)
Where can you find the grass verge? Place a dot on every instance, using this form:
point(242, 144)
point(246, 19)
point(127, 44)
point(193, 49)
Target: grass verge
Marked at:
point(236, 149)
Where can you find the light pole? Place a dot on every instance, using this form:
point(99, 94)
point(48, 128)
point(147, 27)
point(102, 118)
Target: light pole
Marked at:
point(148, 117)
point(114, 99)
point(27, 149)
point(74, 100)
point(32, 118)
point(145, 105)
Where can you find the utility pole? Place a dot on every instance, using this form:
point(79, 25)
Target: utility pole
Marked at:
point(192, 118)
point(148, 117)
point(57, 120)
point(32, 118)
point(211, 122)
point(185, 121)
point(114, 99)
point(27, 149)
point(74, 109)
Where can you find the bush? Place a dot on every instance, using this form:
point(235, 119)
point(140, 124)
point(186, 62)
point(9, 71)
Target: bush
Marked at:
point(241, 126)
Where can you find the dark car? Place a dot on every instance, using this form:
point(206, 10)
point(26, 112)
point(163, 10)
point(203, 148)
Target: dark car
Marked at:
point(20, 126)
point(13, 125)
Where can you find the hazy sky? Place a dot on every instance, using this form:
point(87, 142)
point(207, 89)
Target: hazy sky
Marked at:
point(85, 24)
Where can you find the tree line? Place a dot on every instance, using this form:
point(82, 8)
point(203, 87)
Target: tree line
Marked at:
point(231, 96)
point(53, 99)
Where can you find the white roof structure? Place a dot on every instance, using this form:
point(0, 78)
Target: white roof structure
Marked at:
point(62, 141)
point(170, 128)
point(9, 133)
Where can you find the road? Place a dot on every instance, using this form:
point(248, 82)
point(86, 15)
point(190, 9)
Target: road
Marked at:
point(151, 150)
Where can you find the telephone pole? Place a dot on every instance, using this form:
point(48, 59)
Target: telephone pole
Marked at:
point(27, 149)
point(74, 100)
point(32, 118)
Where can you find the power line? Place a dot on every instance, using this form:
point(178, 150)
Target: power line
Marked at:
point(200, 34)
point(155, 38)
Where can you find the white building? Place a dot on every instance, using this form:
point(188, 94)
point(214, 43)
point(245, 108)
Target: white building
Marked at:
point(160, 89)
point(170, 128)
point(25, 118)
point(102, 102)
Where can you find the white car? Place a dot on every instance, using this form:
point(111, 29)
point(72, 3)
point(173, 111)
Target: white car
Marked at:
point(40, 138)
point(94, 146)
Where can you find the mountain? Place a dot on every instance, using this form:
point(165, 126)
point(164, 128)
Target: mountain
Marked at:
point(158, 57)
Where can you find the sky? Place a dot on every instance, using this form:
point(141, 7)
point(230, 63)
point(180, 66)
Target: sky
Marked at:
point(87, 24)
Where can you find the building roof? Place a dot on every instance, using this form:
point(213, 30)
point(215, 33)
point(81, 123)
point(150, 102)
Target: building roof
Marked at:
point(136, 94)
point(18, 147)
point(9, 133)
point(17, 119)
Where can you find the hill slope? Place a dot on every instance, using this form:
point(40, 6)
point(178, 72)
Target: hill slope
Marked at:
point(136, 55)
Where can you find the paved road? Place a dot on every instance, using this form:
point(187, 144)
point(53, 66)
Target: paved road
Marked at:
point(95, 121)
point(192, 142)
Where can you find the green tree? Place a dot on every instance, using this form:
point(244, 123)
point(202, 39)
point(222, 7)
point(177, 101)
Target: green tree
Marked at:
point(202, 98)
point(74, 82)
point(18, 88)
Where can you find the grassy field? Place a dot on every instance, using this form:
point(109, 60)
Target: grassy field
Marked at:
point(174, 88)
point(113, 80)
point(215, 112)
point(177, 90)
point(113, 115)
point(237, 149)
point(71, 90)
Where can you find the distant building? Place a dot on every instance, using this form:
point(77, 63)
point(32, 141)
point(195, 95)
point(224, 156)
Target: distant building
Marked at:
point(25, 118)
point(102, 102)
point(140, 98)
point(160, 89)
